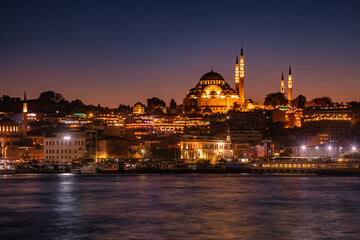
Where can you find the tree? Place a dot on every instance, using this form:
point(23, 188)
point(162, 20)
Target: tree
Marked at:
point(322, 101)
point(173, 107)
point(124, 109)
point(275, 99)
point(153, 103)
point(299, 101)
point(51, 96)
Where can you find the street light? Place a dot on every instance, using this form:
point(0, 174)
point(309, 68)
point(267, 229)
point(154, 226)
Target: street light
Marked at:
point(143, 152)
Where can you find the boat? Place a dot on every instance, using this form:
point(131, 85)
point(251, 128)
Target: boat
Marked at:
point(108, 167)
point(312, 166)
point(7, 167)
point(75, 170)
point(89, 168)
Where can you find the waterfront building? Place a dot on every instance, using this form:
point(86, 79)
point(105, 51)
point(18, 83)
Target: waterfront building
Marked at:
point(64, 147)
point(213, 149)
point(331, 120)
point(328, 151)
point(112, 147)
point(24, 152)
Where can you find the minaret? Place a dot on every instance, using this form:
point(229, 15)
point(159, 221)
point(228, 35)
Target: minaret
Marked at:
point(290, 87)
point(24, 126)
point(237, 75)
point(242, 77)
point(282, 86)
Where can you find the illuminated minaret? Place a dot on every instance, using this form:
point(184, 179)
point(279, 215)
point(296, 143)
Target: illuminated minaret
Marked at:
point(24, 127)
point(242, 77)
point(290, 87)
point(282, 86)
point(237, 75)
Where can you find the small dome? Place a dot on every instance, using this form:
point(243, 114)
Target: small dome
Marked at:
point(207, 110)
point(139, 104)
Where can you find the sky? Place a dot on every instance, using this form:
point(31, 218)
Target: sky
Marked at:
point(113, 52)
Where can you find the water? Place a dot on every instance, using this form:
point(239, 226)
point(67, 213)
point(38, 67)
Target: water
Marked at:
point(189, 206)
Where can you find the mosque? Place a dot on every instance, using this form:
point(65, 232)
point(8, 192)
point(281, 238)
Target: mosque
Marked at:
point(214, 95)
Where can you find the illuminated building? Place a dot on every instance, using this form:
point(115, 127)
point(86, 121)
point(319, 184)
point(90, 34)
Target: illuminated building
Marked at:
point(111, 119)
point(333, 121)
point(9, 131)
point(64, 147)
point(211, 95)
point(214, 95)
point(293, 118)
point(165, 126)
point(76, 120)
point(290, 87)
point(213, 149)
point(138, 126)
point(16, 152)
point(139, 108)
point(282, 84)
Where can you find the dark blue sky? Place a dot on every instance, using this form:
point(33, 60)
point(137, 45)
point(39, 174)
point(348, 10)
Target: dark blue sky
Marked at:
point(113, 52)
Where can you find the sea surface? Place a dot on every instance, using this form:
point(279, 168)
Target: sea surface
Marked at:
point(179, 206)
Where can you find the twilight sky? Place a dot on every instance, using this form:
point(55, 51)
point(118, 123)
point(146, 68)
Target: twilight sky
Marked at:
point(112, 52)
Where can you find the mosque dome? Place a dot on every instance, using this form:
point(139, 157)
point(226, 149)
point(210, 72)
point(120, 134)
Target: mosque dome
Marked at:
point(212, 78)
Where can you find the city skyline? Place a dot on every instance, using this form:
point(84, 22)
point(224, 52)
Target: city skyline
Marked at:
point(125, 53)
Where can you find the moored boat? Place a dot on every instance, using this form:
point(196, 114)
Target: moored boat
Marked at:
point(108, 167)
point(7, 167)
point(90, 168)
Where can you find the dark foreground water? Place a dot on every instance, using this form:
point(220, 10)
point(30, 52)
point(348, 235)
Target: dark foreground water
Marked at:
point(190, 206)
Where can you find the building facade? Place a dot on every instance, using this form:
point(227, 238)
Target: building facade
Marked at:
point(213, 149)
point(64, 147)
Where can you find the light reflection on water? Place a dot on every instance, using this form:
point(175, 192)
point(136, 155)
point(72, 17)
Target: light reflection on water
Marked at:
point(190, 206)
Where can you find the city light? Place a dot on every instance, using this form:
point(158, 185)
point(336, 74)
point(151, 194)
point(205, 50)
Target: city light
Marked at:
point(67, 137)
point(354, 148)
point(303, 147)
point(329, 147)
